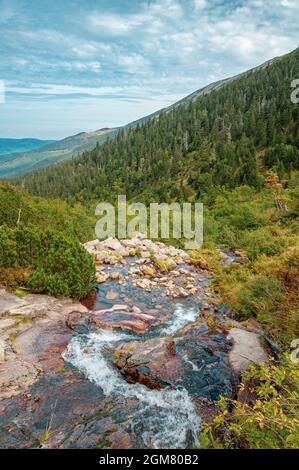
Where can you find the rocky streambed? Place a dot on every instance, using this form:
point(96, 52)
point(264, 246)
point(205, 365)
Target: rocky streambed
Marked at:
point(140, 365)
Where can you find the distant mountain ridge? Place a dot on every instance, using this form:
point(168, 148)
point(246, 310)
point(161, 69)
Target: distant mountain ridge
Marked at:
point(18, 163)
point(63, 150)
point(8, 146)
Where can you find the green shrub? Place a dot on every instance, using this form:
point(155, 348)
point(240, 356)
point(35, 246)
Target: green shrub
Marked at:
point(53, 284)
point(270, 420)
point(263, 241)
point(17, 209)
point(258, 295)
point(8, 248)
point(60, 264)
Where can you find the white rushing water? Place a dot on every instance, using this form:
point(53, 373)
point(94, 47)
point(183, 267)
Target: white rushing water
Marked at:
point(167, 418)
point(180, 318)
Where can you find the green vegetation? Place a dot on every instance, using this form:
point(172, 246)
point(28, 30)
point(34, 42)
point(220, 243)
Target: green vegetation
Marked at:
point(269, 420)
point(17, 209)
point(44, 260)
point(50, 261)
point(268, 290)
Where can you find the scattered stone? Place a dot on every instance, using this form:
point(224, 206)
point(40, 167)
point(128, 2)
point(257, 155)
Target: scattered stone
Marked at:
point(101, 277)
point(111, 295)
point(144, 284)
point(115, 276)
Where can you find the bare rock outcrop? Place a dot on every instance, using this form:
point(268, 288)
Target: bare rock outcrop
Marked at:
point(32, 336)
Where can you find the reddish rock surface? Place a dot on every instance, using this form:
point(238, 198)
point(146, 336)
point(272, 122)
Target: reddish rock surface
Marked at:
point(152, 363)
point(120, 316)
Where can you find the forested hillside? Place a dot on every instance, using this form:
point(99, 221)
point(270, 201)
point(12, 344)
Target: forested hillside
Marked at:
point(227, 138)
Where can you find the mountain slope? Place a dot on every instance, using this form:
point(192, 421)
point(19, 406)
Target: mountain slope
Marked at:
point(8, 146)
point(226, 134)
point(17, 164)
point(46, 155)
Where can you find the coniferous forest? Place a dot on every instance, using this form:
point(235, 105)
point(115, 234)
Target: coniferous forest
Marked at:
point(225, 139)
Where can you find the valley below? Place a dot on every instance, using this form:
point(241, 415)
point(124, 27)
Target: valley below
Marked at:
point(140, 363)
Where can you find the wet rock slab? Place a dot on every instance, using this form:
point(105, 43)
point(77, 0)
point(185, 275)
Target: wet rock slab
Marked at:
point(64, 411)
point(197, 359)
point(121, 316)
point(152, 363)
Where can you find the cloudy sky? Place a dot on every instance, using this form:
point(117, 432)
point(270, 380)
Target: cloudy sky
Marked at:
point(78, 65)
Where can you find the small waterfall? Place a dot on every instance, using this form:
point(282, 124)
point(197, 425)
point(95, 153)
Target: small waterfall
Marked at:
point(167, 418)
point(181, 317)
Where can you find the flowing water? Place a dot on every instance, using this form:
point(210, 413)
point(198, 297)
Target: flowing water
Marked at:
point(181, 317)
point(167, 418)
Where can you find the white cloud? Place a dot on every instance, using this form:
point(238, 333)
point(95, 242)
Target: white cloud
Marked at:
point(289, 3)
point(111, 24)
point(199, 4)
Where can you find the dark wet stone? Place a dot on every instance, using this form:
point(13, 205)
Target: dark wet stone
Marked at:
point(75, 412)
point(199, 363)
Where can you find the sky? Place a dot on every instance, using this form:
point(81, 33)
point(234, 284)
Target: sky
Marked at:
point(70, 66)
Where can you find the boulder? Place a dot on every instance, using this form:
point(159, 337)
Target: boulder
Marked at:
point(151, 363)
point(90, 246)
point(112, 244)
point(247, 349)
point(196, 360)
